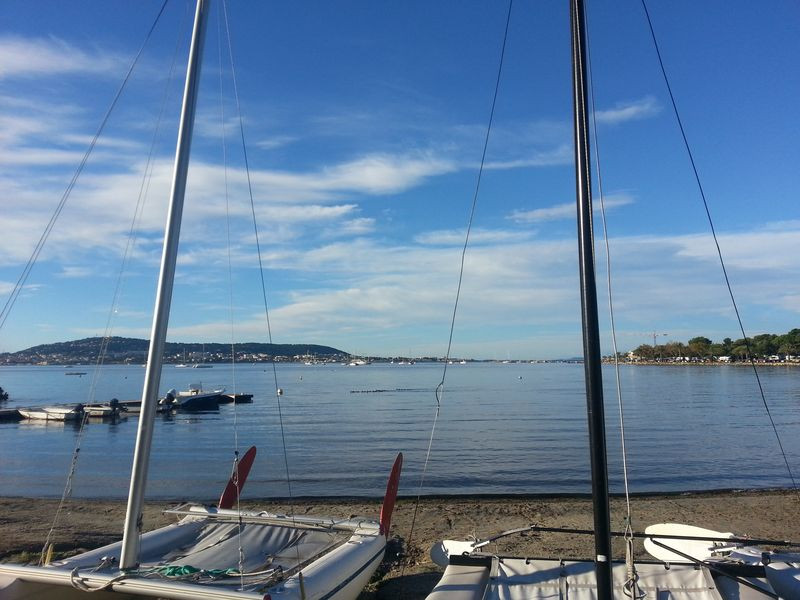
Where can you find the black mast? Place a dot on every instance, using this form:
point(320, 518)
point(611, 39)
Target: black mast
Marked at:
point(591, 332)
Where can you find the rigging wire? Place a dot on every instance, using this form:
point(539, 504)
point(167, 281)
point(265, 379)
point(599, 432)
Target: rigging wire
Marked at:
point(130, 244)
point(716, 242)
point(630, 587)
point(23, 278)
point(240, 523)
point(607, 245)
point(439, 392)
point(278, 391)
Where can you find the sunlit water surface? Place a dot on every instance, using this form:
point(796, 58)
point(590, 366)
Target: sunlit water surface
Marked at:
point(503, 428)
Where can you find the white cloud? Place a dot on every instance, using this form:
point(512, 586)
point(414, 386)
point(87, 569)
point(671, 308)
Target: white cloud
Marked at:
point(288, 213)
point(40, 157)
point(352, 227)
point(104, 202)
point(567, 210)
point(276, 141)
point(373, 296)
point(36, 57)
point(629, 111)
point(383, 173)
point(561, 155)
point(753, 250)
point(76, 272)
point(393, 292)
point(477, 236)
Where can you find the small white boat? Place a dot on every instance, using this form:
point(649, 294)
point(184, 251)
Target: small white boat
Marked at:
point(107, 410)
point(52, 413)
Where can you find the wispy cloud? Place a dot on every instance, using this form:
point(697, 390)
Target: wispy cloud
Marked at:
point(275, 141)
point(289, 213)
point(36, 57)
point(353, 227)
point(566, 211)
point(629, 111)
point(383, 174)
point(104, 202)
point(477, 236)
point(396, 289)
point(561, 155)
point(75, 272)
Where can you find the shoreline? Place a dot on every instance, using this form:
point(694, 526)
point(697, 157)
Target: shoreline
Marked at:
point(520, 496)
point(714, 363)
point(86, 524)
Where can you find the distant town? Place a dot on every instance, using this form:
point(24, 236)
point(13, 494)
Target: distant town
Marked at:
point(120, 350)
point(764, 348)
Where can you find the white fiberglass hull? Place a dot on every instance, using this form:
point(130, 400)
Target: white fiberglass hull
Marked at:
point(340, 573)
point(486, 577)
point(50, 413)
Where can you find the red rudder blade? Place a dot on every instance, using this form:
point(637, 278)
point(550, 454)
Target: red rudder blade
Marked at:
point(391, 495)
point(236, 482)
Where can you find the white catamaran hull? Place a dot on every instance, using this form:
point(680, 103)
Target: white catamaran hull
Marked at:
point(204, 541)
point(222, 553)
point(486, 577)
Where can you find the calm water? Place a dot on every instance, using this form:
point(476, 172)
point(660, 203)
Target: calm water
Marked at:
point(514, 428)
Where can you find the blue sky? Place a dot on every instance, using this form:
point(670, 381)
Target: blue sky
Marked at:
point(364, 123)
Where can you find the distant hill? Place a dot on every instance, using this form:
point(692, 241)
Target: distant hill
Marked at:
point(123, 350)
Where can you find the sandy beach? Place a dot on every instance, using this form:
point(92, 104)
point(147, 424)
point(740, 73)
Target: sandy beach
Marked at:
point(407, 571)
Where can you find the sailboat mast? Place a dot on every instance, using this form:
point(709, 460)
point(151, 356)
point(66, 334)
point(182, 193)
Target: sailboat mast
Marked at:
point(591, 329)
point(141, 457)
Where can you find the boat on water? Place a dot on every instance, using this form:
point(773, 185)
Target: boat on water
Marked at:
point(106, 410)
point(211, 552)
point(195, 398)
point(236, 398)
point(687, 562)
point(53, 413)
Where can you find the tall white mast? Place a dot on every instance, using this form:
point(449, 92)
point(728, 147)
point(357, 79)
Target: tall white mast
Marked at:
point(133, 519)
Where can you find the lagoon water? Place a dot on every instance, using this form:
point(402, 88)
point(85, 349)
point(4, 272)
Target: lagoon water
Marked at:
point(503, 428)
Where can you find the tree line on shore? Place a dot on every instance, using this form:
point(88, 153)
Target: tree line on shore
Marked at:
point(761, 346)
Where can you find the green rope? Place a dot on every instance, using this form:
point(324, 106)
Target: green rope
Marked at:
point(186, 570)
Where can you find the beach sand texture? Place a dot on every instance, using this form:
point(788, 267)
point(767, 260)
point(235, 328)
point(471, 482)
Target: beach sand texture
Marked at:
point(86, 524)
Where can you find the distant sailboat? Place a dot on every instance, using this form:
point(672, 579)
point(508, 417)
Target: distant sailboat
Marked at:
point(182, 365)
point(202, 365)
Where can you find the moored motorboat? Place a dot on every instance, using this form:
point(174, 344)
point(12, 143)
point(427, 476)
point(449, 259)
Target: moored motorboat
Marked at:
point(235, 398)
point(195, 398)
